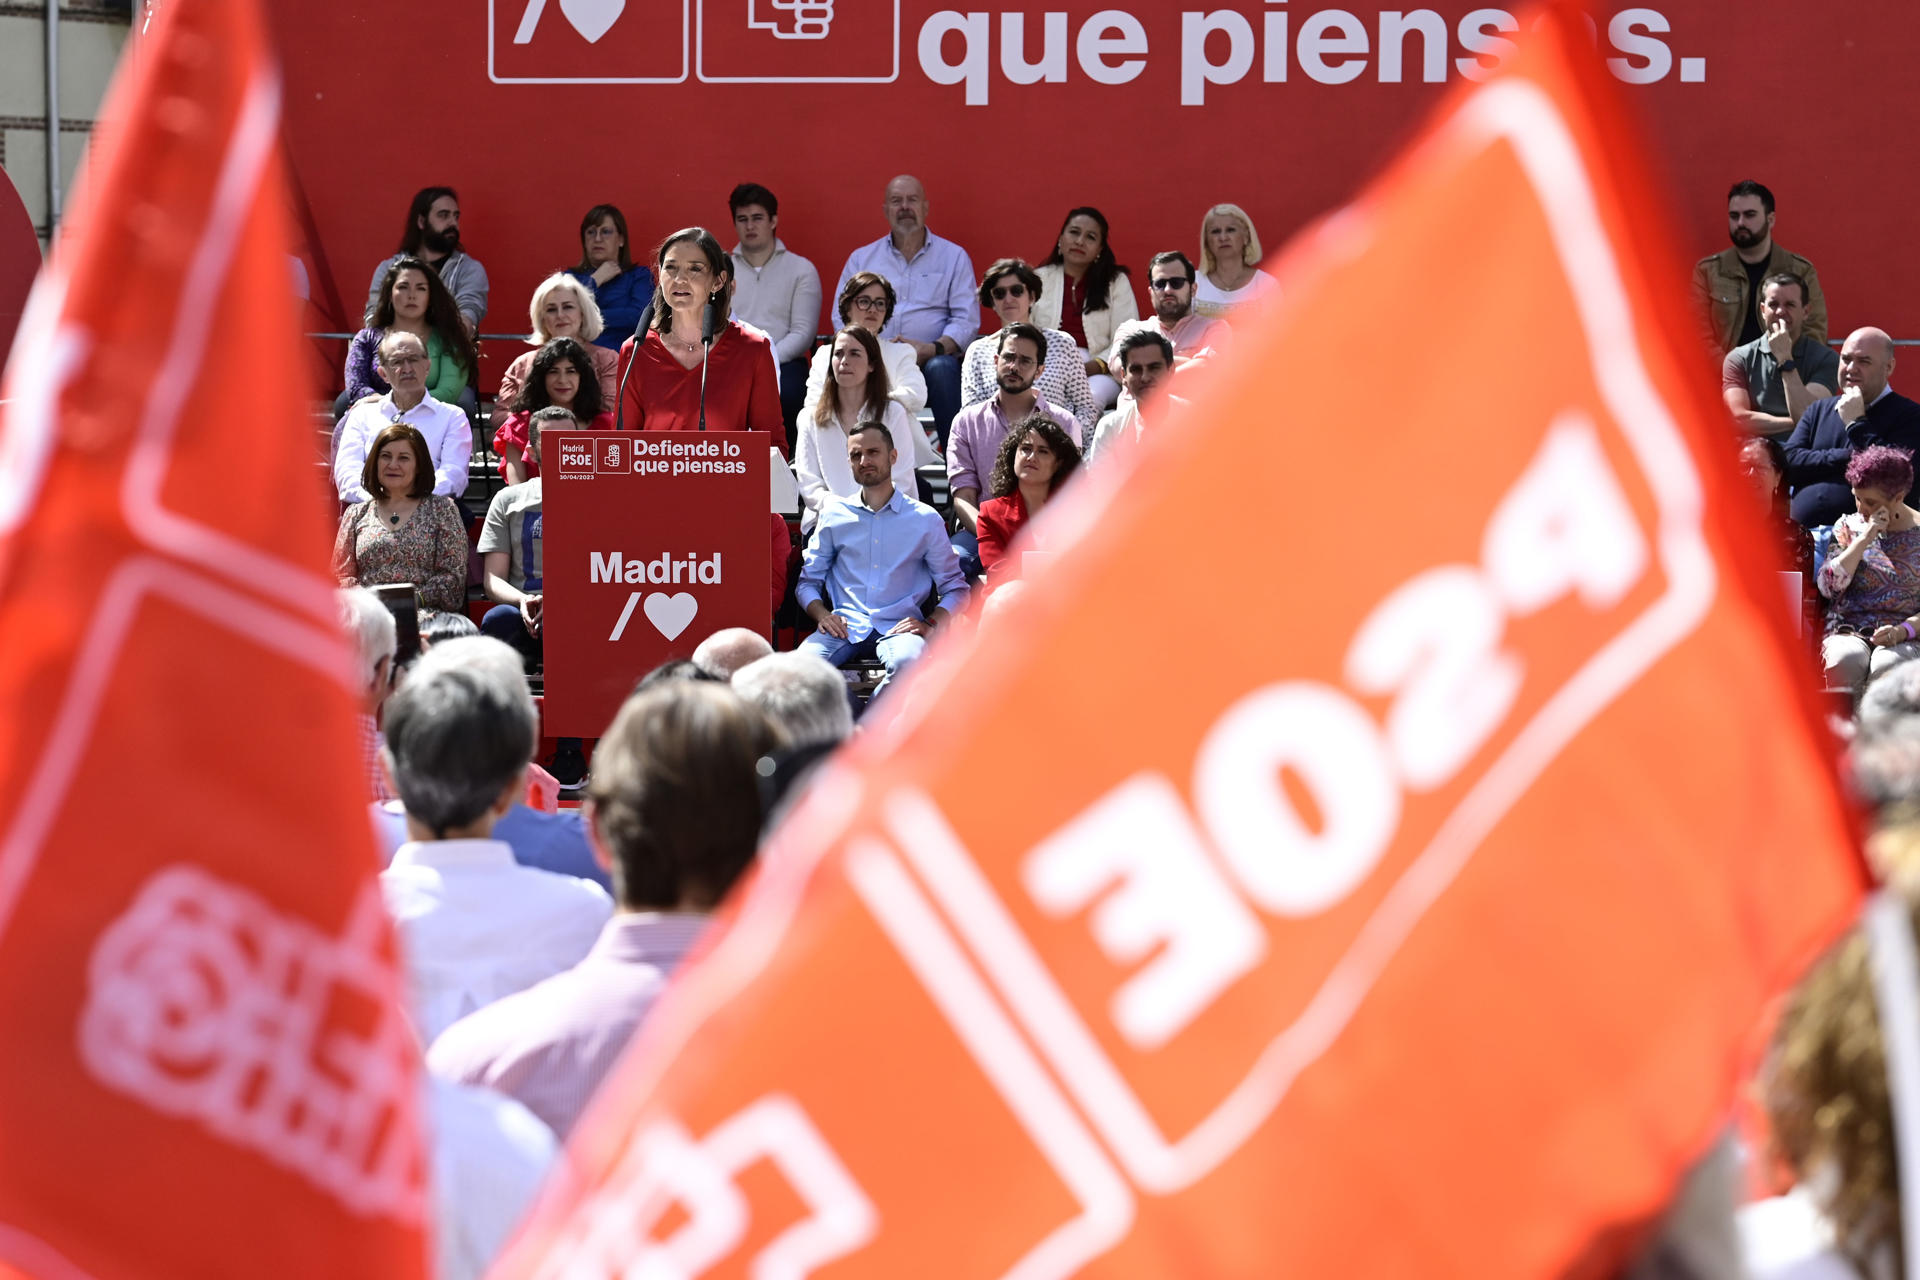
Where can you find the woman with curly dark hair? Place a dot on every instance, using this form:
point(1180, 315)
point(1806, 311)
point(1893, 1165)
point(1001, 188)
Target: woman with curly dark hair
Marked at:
point(412, 299)
point(1085, 292)
point(562, 375)
point(1035, 459)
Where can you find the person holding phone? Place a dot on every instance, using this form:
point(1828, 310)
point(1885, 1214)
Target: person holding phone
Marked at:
point(1872, 575)
point(661, 368)
point(403, 532)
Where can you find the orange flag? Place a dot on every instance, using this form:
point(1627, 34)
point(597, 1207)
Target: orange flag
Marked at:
point(204, 1069)
point(1364, 852)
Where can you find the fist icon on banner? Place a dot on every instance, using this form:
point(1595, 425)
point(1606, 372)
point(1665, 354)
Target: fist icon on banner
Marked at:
point(799, 41)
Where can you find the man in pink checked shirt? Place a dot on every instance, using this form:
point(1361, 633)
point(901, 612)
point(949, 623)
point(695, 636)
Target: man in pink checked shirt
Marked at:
point(673, 809)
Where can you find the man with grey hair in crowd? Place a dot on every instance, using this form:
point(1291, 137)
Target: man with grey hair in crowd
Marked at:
point(474, 924)
point(803, 694)
point(725, 652)
point(369, 626)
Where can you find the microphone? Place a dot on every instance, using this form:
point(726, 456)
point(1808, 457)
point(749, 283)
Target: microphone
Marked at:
point(709, 320)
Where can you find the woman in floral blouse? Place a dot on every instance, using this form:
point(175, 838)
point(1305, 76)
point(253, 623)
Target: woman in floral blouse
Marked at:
point(1872, 574)
point(403, 533)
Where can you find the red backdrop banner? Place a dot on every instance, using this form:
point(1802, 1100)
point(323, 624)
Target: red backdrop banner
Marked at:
point(206, 1070)
point(653, 541)
point(1418, 929)
point(1012, 115)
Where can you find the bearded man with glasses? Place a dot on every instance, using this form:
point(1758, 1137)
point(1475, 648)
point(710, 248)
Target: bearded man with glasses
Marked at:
point(1009, 289)
point(1170, 280)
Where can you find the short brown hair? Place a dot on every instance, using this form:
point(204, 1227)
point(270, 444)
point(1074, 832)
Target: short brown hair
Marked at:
point(675, 796)
point(859, 284)
point(1019, 270)
point(422, 461)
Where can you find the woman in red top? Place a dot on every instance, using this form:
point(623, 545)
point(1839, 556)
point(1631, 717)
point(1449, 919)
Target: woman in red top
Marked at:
point(562, 374)
point(1036, 457)
point(660, 367)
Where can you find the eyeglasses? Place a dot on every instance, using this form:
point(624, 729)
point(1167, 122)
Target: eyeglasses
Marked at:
point(1169, 282)
point(1009, 291)
point(602, 233)
point(868, 304)
point(401, 362)
point(1017, 361)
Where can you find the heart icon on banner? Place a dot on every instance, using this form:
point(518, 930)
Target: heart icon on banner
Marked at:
point(670, 615)
point(592, 18)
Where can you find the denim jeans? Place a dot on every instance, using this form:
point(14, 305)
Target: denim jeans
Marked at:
point(896, 653)
point(943, 393)
point(966, 545)
point(503, 623)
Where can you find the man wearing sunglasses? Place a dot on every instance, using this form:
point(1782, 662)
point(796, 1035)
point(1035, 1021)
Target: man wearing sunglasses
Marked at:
point(1010, 289)
point(1170, 284)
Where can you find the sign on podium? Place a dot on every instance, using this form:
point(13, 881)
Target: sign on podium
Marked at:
point(653, 541)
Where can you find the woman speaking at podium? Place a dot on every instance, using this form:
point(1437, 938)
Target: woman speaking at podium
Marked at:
point(689, 327)
point(690, 334)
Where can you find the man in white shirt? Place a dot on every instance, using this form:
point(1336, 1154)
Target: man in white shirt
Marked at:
point(1170, 282)
point(402, 361)
point(1144, 359)
point(474, 925)
point(774, 290)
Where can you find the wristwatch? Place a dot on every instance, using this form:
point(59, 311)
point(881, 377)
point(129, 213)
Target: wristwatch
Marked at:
point(1789, 366)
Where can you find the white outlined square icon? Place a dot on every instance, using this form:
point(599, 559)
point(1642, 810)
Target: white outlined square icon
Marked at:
point(798, 41)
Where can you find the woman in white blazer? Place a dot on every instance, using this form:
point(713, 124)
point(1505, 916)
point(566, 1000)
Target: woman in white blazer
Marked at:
point(1088, 294)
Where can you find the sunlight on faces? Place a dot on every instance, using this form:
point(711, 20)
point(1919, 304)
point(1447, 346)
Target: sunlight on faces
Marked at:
point(561, 314)
point(563, 383)
point(1011, 301)
point(755, 227)
point(1080, 241)
point(403, 362)
point(1172, 291)
point(850, 367)
point(1227, 237)
point(869, 309)
point(906, 204)
point(1866, 362)
point(396, 468)
point(1748, 221)
point(687, 278)
point(1017, 365)
point(1146, 368)
point(411, 294)
point(1783, 303)
point(1034, 461)
point(603, 242)
point(869, 457)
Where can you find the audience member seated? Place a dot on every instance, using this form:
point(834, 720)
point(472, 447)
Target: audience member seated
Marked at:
point(562, 308)
point(872, 561)
point(1229, 253)
point(1867, 411)
point(1765, 463)
point(403, 533)
point(473, 924)
point(980, 428)
point(859, 395)
point(1010, 289)
point(1035, 460)
point(933, 280)
point(622, 292)
point(1195, 338)
point(512, 566)
point(1872, 575)
point(433, 235)
point(661, 368)
point(774, 290)
point(1087, 294)
point(561, 378)
point(370, 626)
point(1769, 382)
point(674, 809)
point(1829, 1104)
point(402, 359)
point(725, 652)
point(1145, 359)
point(1726, 285)
point(413, 300)
point(867, 300)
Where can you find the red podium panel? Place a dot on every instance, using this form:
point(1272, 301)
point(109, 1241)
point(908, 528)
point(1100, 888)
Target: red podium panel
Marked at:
point(653, 541)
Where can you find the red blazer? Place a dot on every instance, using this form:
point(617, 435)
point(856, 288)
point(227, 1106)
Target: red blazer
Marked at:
point(1000, 520)
point(743, 390)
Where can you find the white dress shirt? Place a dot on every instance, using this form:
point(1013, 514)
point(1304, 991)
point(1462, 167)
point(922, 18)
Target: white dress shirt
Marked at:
point(449, 443)
point(475, 925)
point(782, 297)
point(820, 460)
point(490, 1155)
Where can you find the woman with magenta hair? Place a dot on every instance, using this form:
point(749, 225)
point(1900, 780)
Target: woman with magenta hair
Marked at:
point(1872, 574)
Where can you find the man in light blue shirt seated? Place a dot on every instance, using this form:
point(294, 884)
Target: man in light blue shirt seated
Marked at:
point(876, 557)
point(938, 313)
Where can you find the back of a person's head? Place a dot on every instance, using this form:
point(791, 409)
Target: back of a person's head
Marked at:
point(802, 693)
point(458, 737)
point(1891, 698)
point(439, 628)
point(369, 625)
point(499, 660)
point(725, 652)
point(675, 795)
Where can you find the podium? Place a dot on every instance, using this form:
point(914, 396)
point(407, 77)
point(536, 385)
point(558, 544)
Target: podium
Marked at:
point(652, 541)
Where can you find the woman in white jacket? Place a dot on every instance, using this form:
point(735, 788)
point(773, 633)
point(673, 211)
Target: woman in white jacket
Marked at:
point(1086, 293)
point(857, 393)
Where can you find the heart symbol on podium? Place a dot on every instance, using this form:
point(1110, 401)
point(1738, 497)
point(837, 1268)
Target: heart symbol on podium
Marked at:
point(670, 615)
point(592, 18)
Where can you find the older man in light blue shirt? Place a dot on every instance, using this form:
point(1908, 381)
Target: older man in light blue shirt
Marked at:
point(875, 558)
point(938, 313)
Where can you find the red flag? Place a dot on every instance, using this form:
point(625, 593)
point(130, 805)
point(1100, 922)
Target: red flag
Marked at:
point(205, 1071)
point(1364, 852)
